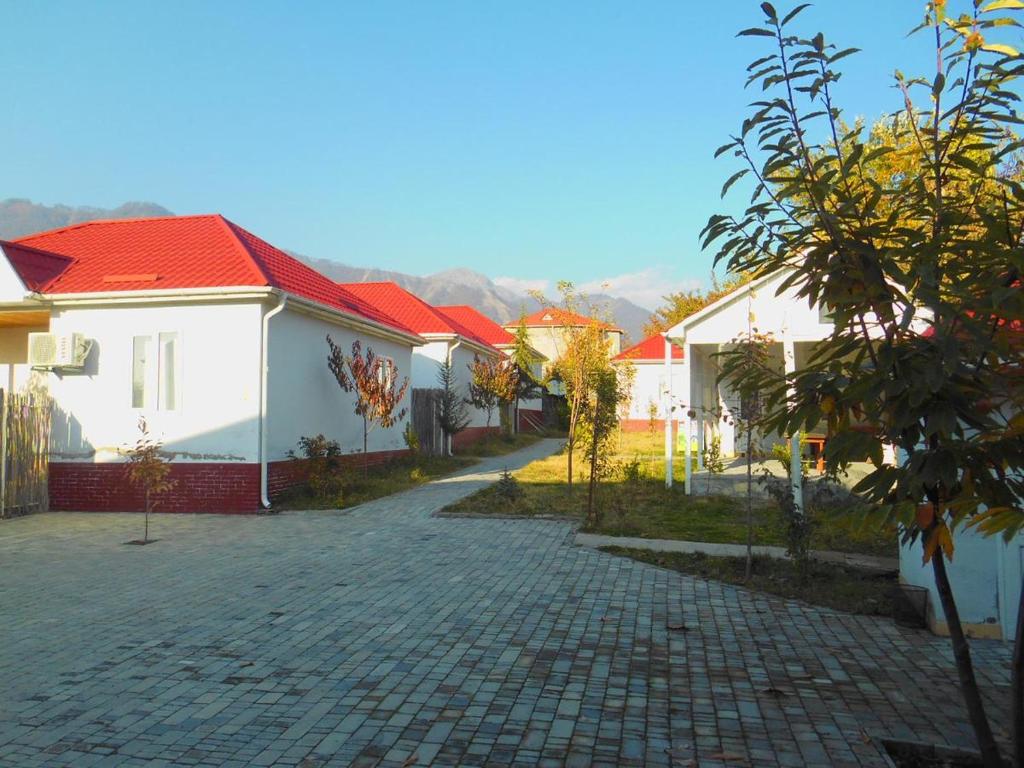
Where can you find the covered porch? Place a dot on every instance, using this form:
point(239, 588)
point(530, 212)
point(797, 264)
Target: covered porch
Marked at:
point(702, 408)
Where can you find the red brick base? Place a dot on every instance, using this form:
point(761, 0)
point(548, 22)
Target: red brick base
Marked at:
point(644, 425)
point(282, 475)
point(470, 435)
point(199, 487)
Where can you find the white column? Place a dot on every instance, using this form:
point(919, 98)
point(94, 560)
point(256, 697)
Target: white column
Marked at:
point(666, 410)
point(796, 466)
point(685, 422)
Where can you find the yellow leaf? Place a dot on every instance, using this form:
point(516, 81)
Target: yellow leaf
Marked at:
point(1006, 50)
point(946, 541)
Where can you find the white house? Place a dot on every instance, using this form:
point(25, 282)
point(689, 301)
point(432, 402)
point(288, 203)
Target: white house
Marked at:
point(530, 410)
point(443, 338)
point(547, 329)
point(986, 573)
point(648, 401)
point(216, 337)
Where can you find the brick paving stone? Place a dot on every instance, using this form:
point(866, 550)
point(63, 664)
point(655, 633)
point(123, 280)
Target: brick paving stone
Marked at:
point(387, 636)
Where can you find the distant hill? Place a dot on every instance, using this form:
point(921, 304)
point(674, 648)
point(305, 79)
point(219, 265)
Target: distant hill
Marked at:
point(465, 286)
point(454, 286)
point(22, 217)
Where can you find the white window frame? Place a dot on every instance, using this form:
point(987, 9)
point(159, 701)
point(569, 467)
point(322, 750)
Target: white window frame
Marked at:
point(153, 394)
point(386, 371)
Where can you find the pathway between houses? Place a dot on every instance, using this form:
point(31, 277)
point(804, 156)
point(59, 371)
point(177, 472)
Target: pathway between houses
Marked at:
point(386, 636)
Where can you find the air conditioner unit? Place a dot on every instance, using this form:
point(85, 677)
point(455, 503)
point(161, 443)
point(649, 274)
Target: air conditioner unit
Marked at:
point(49, 350)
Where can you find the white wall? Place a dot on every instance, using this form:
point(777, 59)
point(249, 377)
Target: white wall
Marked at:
point(648, 385)
point(304, 398)
point(973, 574)
point(219, 386)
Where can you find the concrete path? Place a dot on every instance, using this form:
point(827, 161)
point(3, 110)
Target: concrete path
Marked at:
point(864, 562)
point(387, 636)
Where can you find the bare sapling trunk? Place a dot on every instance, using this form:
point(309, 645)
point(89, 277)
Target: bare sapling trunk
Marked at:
point(366, 455)
point(1017, 686)
point(591, 521)
point(749, 567)
point(570, 446)
point(145, 525)
point(964, 667)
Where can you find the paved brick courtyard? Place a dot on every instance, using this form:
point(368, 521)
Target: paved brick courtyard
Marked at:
point(388, 637)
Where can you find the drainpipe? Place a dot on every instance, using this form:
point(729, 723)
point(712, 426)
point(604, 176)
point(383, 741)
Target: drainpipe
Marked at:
point(451, 348)
point(264, 371)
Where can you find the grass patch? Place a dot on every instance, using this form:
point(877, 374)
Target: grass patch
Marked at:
point(499, 445)
point(827, 584)
point(646, 509)
point(359, 487)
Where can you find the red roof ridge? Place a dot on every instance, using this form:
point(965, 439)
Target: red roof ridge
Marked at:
point(249, 256)
point(130, 219)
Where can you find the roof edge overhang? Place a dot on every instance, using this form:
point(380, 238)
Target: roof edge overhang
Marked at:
point(471, 343)
point(230, 293)
point(356, 322)
point(677, 333)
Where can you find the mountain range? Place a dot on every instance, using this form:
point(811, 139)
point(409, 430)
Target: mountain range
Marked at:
point(453, 286)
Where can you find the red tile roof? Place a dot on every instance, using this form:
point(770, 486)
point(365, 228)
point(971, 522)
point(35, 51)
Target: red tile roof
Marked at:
point(651, 349)
point(175, 252)
point(414, 312)
point(478, 323)
point(560, 318)
point(35, 268)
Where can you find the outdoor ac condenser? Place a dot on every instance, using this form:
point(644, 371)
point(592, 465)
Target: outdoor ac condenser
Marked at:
point(48, 350)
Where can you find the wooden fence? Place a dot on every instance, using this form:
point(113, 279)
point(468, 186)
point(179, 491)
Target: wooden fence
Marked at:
point(24, 453)
point(424, 420)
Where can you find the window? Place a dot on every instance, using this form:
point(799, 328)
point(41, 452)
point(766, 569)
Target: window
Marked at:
point(386, 372)
point(156, 379)
point(140, 357)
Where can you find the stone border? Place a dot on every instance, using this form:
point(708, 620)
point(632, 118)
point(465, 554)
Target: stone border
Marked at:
point(863, 562)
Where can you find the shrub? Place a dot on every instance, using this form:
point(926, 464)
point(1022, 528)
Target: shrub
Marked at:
point(412, 440)
point(508, 488)
point(326, 476)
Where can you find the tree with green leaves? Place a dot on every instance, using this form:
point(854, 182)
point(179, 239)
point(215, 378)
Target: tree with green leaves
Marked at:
point(374, 380)
point(493, 382)
point(584, 358)
point(524, 358)
point(680, 305)
point(921, 272)
point(453, 414)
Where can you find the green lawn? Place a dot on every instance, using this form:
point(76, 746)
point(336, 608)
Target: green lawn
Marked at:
point(359, 486)
point(645, 508)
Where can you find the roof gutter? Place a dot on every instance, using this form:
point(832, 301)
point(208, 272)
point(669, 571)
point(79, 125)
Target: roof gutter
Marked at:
point(264, 375)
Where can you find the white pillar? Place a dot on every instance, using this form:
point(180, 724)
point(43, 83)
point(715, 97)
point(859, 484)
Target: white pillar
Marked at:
point(666, 410)
point(685, 422)
point(796, 466)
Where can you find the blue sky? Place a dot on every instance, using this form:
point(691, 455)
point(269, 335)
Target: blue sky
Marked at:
point(532, 141)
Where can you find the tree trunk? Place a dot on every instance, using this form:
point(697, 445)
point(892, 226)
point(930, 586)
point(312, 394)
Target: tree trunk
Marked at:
point(591, 521)
point(366, 457)
point(1017, 686)
point(964, 667)
point(748, 570)
point(570, 446)
point(145, 525)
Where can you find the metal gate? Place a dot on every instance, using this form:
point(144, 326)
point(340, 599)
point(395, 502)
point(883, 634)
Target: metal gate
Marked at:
point(24, 453)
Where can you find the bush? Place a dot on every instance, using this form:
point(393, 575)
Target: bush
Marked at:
point(412, 440)
point(508, 488)
point(326, 476)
